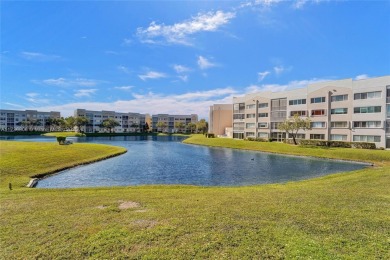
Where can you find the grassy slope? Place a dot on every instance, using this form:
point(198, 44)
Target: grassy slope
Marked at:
point(66, 134)
point(337, 216)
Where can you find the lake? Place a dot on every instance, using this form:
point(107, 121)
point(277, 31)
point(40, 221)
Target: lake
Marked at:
point(166, 160)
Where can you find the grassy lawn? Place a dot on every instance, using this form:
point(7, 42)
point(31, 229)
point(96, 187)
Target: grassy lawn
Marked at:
point(340, 216)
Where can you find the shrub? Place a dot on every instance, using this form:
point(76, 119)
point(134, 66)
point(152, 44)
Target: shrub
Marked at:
point(61, 139)
point(210, 135)
point(363, 145)
point(79, 135)
point(324, 143)
point(256, 139)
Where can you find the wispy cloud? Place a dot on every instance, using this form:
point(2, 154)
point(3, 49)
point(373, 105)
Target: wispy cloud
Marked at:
point(124, 88)
point(278, 87)
point(362, 76)
point(152, 75)
point(183, 78)
point(37, 56)
point(64, 82)
point(124, 69)
point(36, 98)
point(262, 75)
point(281, 69)
point(84, 92)
point(181, 68)
point(178, 33)
point(204, 63)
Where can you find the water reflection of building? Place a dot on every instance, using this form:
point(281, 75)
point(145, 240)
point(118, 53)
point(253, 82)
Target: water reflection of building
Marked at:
point(344, 110)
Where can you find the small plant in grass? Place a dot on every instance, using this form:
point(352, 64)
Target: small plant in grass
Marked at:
point(61, 139)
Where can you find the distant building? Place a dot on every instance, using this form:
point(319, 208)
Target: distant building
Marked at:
point(170, 120)
point(25, 120)
point(340, 110)
point(128, 122)
point(220, 118)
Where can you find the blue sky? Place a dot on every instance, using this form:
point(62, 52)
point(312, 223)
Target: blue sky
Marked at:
point(180, 57)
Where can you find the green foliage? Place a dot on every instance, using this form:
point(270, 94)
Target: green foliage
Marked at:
point(61, 139)
point(257, 139)
point(209, 135)
point(66, 134)
point(361, 145)
point(293, 125)
point(202, 126)
point(110, 123)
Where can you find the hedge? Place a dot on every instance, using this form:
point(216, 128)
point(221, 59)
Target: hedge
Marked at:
point(360, 145)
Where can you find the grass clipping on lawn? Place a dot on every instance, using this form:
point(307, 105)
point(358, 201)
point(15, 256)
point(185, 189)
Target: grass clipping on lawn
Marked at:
point(333, 217)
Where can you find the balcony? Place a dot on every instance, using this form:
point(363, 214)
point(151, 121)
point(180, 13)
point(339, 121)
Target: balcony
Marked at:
point(388, 100)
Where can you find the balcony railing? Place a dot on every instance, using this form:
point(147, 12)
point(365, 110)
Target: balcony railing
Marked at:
point(387, 99)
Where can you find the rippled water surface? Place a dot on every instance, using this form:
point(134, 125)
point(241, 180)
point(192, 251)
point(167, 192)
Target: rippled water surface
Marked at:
point(165, 160)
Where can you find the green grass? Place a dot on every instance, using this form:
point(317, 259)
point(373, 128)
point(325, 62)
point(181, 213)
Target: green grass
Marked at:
point(340, 216)
point(65, 134)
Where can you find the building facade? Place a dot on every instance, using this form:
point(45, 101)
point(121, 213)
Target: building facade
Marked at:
point(128, 122)
point(166, 123)
point(220, 118)
point(343, 110)
point(25, 120)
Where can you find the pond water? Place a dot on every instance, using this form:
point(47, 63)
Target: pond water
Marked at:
point(165, 160)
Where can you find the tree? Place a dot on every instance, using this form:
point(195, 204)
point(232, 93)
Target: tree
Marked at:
point(69, 123)
point(145, 127)
point(202, 126)
point(293, 125)
point(162, 125)
point(80, 121)
point(110, 123)
point(135, 125)
point(180, 126)
point(191, 127)
point(30, 124)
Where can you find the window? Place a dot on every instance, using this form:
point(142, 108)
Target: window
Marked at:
point(262, 135)
point(250, 115)
point(317, 124)
point(338, 137)
point(297, 136)
point(278, 114)
point(238, 116)
point(367, 95)
point(367, 124)
point(239, 108)
point(363, 110)
point(339, 124)
point(263, 125)
point(318, 112)
point(238, 126)
point(317, 100)
point(366, 138)
point(263, 105)
point(274, 125)
point(250, 134)
point(317, 136)
point(263, 114)
point(299, 113)
point(339, 98)
point(250, 125)
point(295, 102)
point(251, 106)
point(339, 111)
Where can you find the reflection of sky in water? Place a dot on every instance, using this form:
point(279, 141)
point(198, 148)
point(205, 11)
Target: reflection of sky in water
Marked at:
point(164, 160)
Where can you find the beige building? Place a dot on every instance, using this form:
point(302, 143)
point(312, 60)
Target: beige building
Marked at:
point(128, 122)
point(25, 120)
point(220, 118)
point(345, 110)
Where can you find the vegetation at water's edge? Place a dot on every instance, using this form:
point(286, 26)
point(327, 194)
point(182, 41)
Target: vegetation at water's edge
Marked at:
point(65, 134)
point(333, 217)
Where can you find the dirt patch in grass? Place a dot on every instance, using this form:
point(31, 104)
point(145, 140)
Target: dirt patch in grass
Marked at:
point(128, 205)
point(143, 223)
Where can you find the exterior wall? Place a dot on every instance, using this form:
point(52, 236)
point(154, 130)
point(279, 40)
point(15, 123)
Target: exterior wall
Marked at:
point(12, 120)
point(170, 122)
point(220, 118)
point(128, 122)
point(335, 112)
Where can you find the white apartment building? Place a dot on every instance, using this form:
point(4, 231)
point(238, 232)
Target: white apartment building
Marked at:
point(25, 120)
point(128, 122)
point(170, 121)
point(344, 110)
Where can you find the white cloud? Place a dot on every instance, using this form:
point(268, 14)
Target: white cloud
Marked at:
point(37, 56)
point(153, 103)
point(63, 82)
point(152, 75)
point(178, 33)
point(281, 69)
point(84, 92)
point(36, 99)
point(183, 77)
point(125, 88)
point(362, 76)
point(181, 68)
point(262, 75)
point(204, 63)
point(124, 69)
point(295, 84)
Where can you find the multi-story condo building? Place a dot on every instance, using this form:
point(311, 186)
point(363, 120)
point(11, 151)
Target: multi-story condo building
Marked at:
point(220, 118)
point(170, 120)
point(128, 122)
point(26, 120)
point(345, 110)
